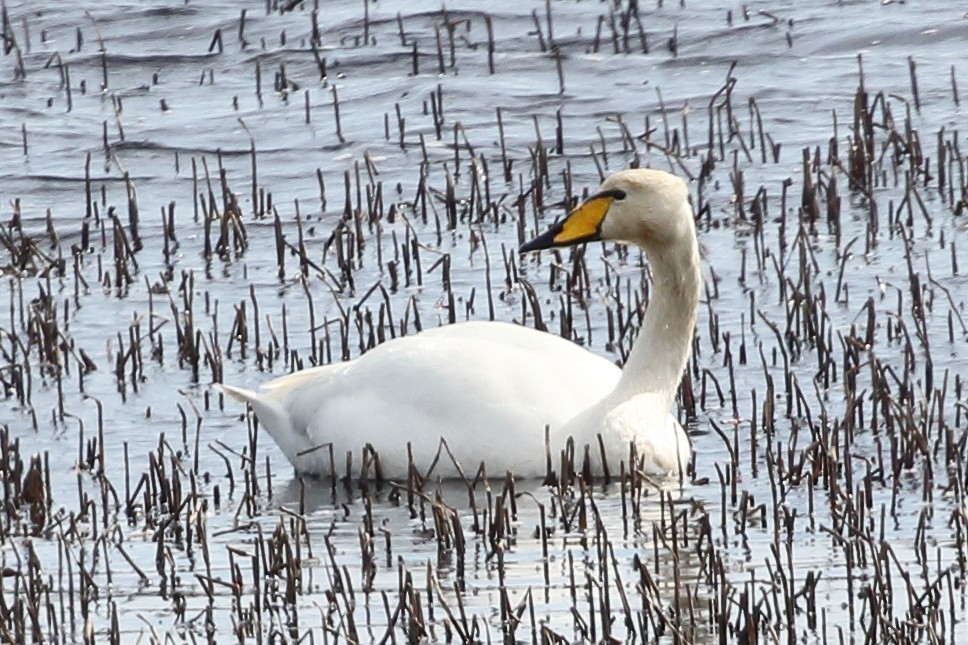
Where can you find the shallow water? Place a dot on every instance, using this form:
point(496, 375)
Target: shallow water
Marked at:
point(797, 63)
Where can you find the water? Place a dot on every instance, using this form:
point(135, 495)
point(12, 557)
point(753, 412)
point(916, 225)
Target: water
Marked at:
point(821, 486)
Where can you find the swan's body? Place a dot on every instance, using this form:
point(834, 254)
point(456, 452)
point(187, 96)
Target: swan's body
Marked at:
point(490, 389)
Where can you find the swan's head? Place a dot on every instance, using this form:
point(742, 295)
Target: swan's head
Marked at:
point(641, 206)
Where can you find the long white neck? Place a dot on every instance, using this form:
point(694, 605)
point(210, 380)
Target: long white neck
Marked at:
point(661, 351)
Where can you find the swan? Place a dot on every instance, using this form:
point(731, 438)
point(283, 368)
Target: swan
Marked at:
point(490, 388)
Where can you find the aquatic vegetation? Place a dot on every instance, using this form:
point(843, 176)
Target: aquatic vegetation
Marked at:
point(194, 196)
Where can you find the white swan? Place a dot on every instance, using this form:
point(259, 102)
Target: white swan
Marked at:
point(490, 388)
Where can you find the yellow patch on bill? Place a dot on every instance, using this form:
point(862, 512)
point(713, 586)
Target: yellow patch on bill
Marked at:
point(583, 222)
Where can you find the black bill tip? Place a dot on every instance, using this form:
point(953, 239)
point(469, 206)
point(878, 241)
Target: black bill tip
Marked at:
point(544, 241)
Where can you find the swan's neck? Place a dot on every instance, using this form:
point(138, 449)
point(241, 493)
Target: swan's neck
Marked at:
point(661, 351)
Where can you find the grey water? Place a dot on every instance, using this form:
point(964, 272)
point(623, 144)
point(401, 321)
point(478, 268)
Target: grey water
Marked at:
point(145, 92)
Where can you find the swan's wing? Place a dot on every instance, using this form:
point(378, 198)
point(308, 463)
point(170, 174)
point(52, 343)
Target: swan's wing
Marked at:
point(488, 388)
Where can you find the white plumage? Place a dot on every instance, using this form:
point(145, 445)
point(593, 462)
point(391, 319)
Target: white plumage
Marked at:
point(491, 388)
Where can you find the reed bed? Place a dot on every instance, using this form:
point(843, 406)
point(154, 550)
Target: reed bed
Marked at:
point(824, 397)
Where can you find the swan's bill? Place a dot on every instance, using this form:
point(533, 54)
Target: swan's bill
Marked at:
point(584, 224)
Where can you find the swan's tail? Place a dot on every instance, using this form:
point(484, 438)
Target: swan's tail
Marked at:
point(272, 415)
point(239, 394)
point(275, 419)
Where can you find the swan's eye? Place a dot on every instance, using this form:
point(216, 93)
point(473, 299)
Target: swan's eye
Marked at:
point(619, 195)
